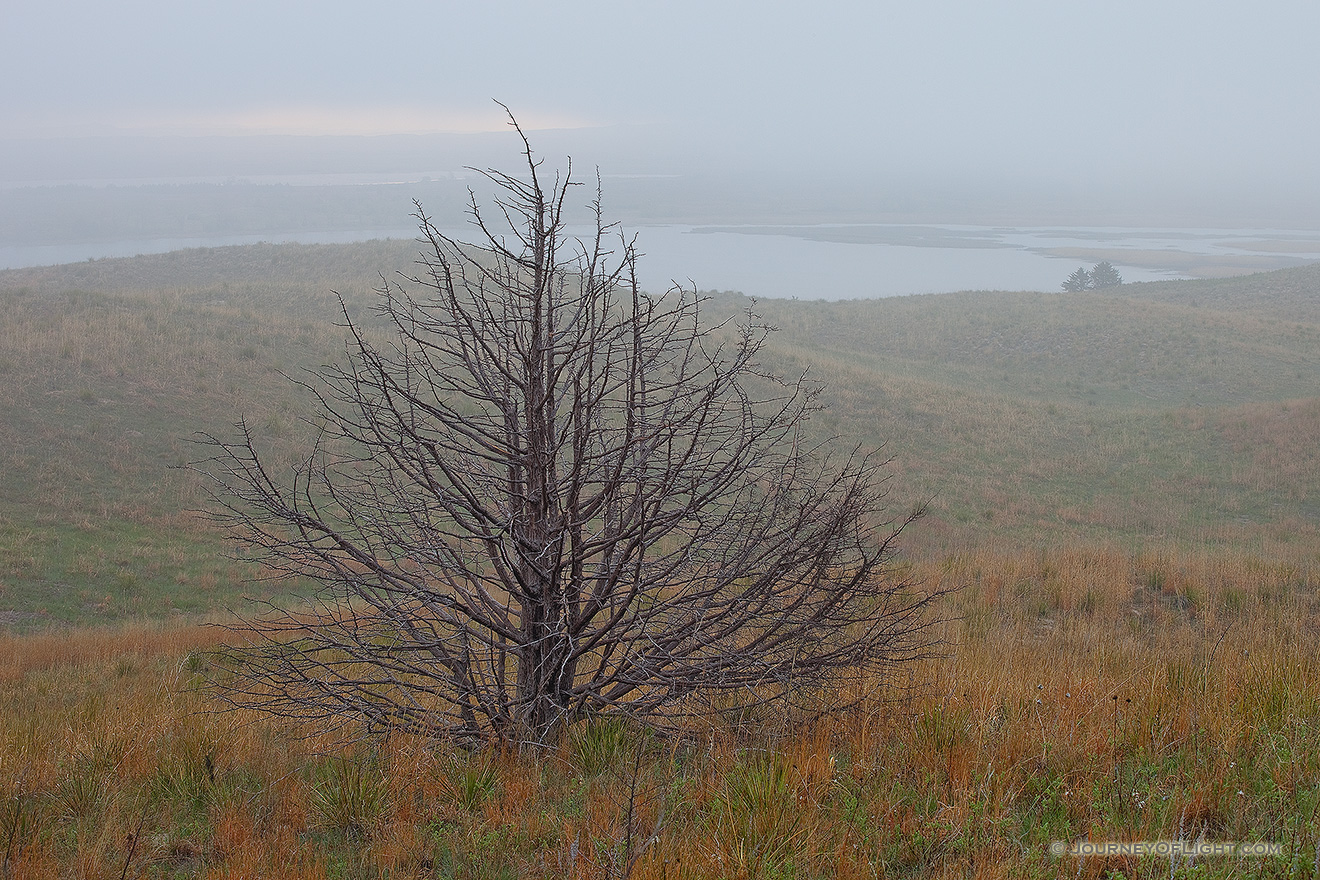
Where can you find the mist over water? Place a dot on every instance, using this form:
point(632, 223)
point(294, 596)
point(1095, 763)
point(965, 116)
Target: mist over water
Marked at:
point(823, 261)
point(786, 264)
point(794, 230)
point(861, 261)
point(1097, 121)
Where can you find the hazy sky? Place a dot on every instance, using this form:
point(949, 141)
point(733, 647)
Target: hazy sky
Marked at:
point(1194, 93)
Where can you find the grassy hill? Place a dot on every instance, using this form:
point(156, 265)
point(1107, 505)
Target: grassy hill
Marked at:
point(1139, 414)
point(1124, 487)
point(1165, 414)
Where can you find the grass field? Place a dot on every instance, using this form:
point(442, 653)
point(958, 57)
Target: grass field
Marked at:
point(1086, 695)
point(1126, 485)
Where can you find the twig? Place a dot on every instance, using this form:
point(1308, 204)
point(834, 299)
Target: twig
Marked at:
point(632, 804)
point(1205, 673)
point(133, 842)
point(13, 829)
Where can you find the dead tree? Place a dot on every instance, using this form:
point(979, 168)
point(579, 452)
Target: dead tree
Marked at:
point(551, 495)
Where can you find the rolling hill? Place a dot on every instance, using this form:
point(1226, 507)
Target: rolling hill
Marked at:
point(1172, 413)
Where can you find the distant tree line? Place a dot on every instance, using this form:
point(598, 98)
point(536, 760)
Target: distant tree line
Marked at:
point(1102, 275)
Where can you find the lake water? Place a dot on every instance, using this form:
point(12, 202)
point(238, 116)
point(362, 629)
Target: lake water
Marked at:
point(851, 261)
point(873, 260)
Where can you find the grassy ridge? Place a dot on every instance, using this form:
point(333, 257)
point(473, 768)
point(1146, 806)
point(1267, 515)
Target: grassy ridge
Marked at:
point(1174, 412)
point(1125, 416)
point(101, 395)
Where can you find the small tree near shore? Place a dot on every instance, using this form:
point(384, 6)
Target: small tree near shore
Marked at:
point(1102, 275)
point(1078, 281)
point(549, 495)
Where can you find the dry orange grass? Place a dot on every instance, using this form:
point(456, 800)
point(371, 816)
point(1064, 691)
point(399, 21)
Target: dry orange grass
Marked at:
point(1086, 693)
point(20, 655)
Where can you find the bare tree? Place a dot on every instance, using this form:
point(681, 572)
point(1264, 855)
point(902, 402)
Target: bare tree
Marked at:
point(551, 495)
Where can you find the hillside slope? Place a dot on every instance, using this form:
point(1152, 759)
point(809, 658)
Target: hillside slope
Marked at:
point(1177, 412)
